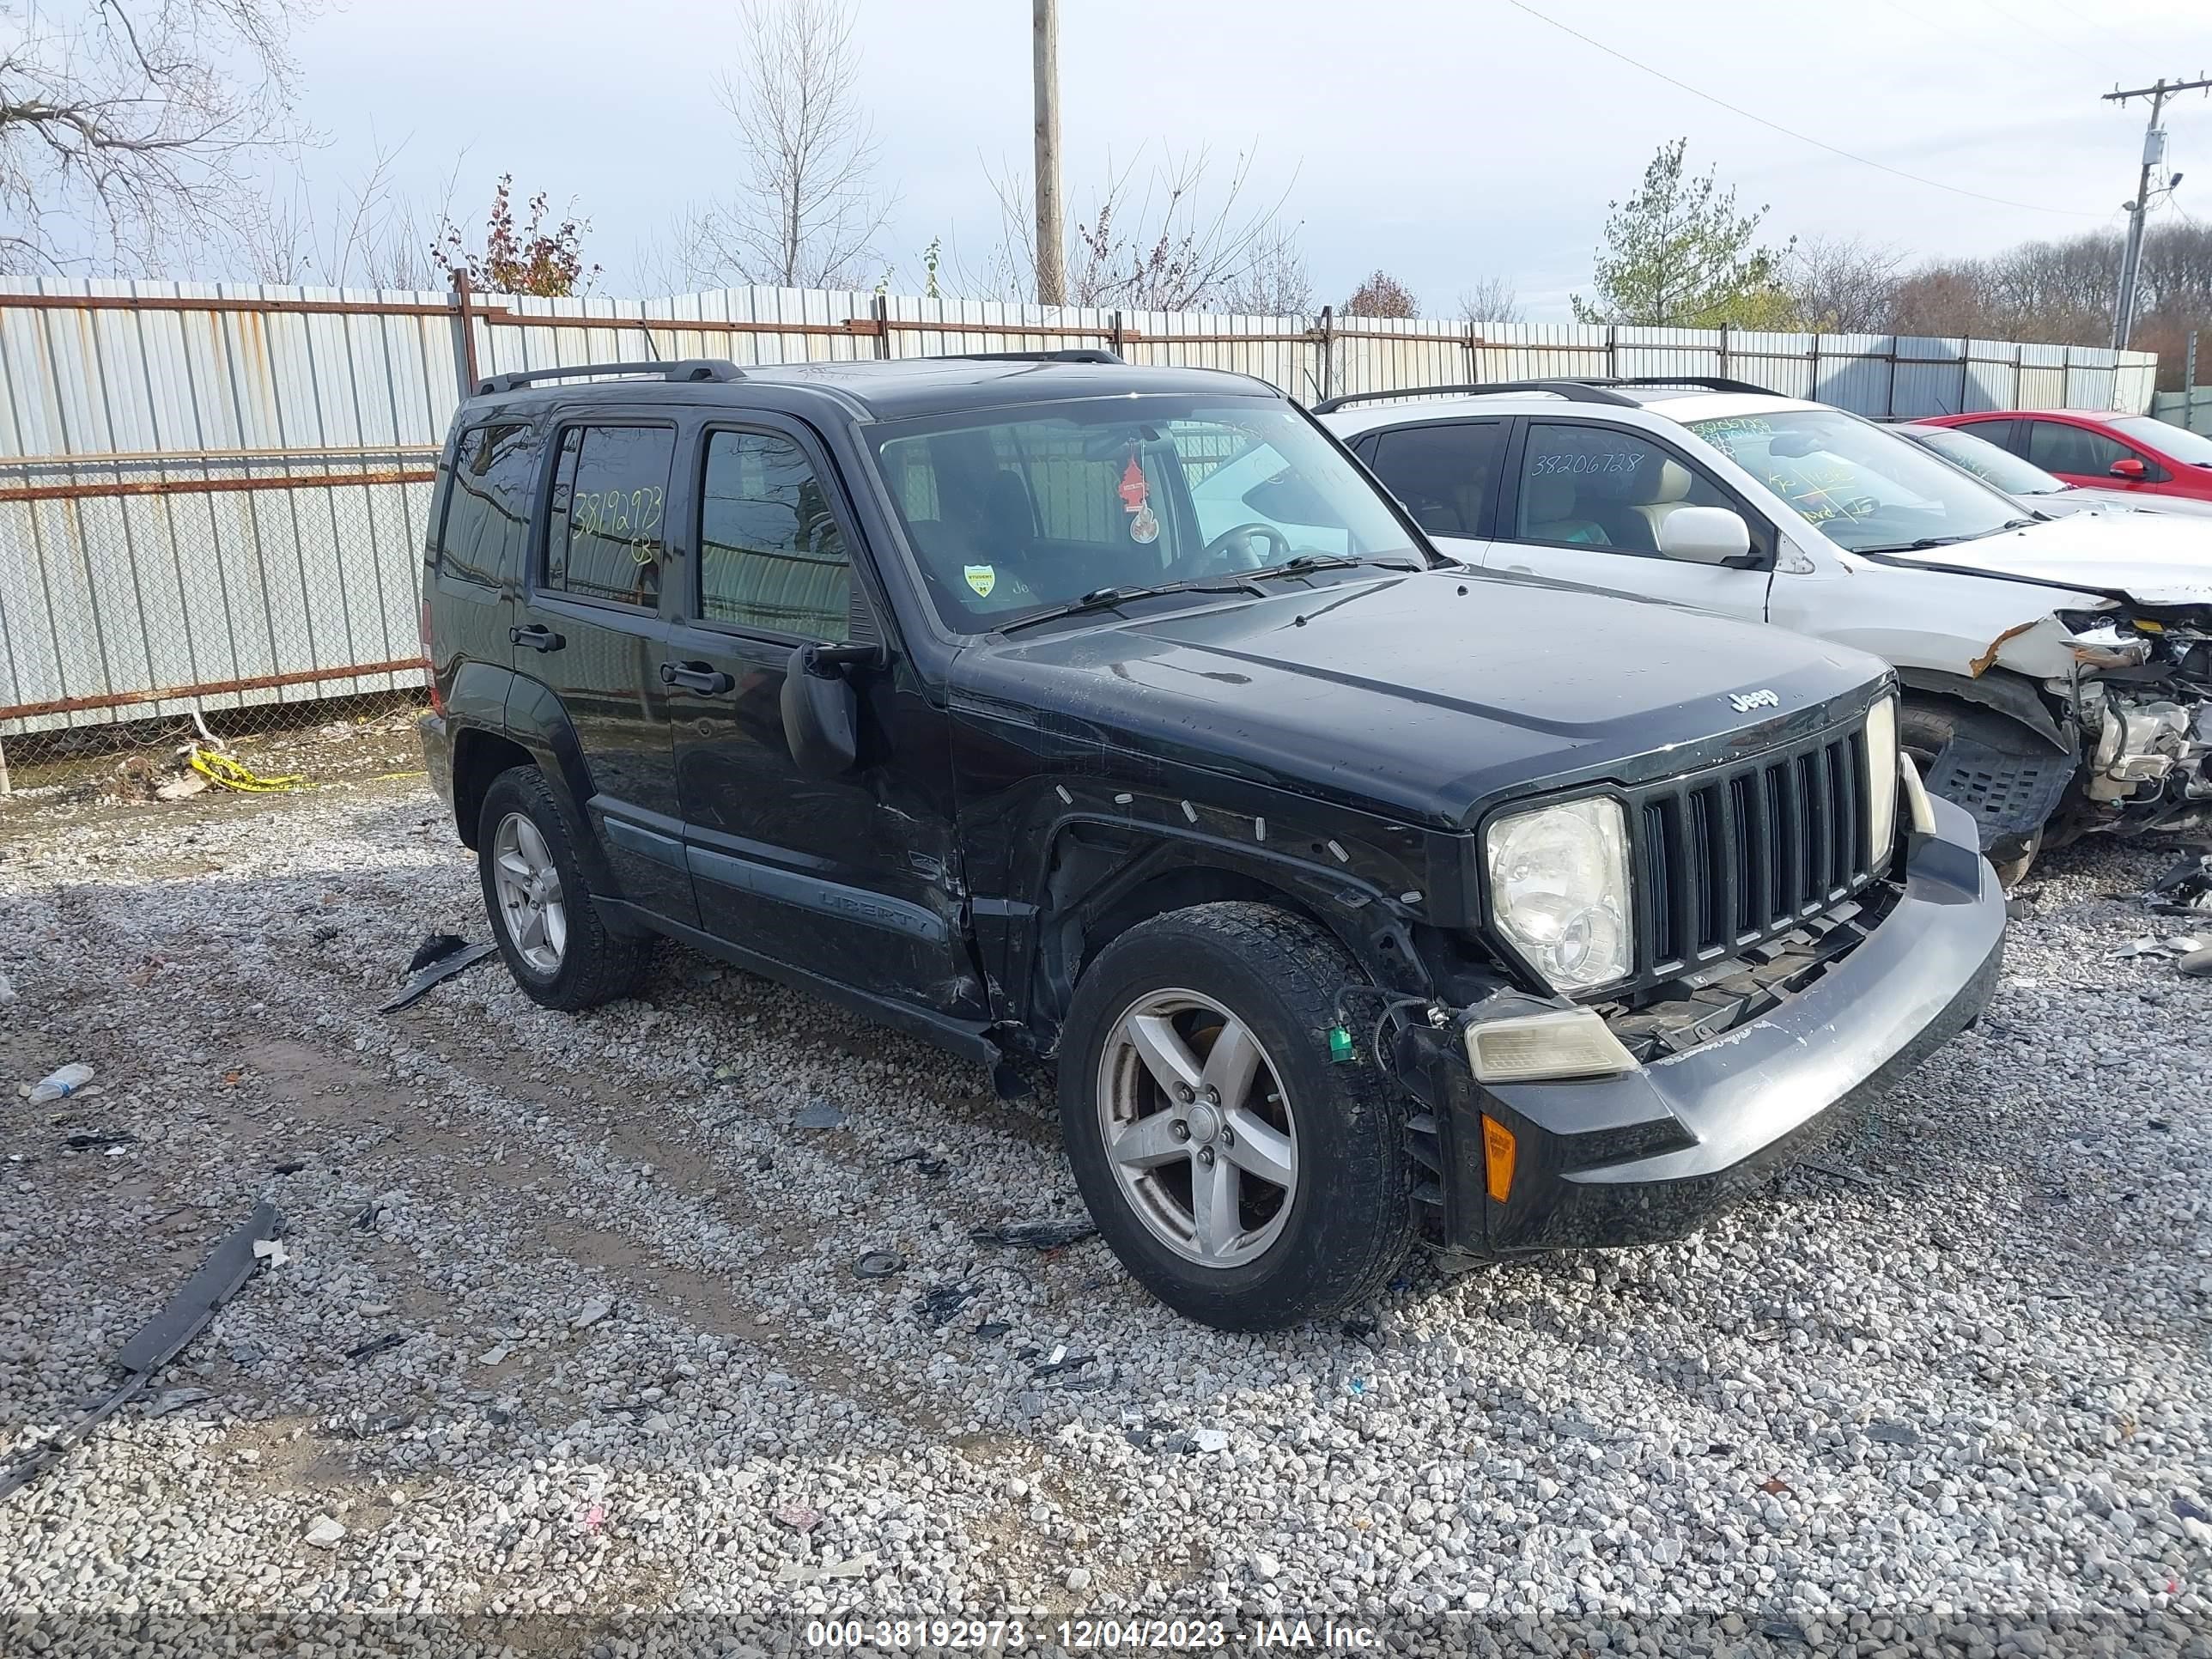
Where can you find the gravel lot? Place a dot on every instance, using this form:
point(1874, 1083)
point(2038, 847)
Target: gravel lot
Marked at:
point(1951, 1397)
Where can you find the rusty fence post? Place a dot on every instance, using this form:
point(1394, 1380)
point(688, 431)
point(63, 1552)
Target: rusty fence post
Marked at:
point(882, 309)
point(470, 379)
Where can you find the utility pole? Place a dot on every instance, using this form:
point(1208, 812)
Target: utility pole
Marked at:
point(2154, 156)
point(1051, 246)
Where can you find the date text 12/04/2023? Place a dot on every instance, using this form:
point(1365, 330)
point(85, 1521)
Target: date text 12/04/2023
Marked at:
point(1091, 1635)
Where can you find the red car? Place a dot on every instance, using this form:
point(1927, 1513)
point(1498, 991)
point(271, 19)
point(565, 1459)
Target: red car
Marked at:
point(2131, 453)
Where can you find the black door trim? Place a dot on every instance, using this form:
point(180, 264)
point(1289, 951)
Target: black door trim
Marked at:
point(828, 898)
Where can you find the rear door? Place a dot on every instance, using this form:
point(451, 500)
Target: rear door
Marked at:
point(481, 527)
point(593, 636)
point(1446, 474)
point(1583, 503)
point(854, 879)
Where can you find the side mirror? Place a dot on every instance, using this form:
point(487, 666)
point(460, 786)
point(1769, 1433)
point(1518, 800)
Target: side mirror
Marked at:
point(1705, 535)
point(820, 711)
point(2131, 468)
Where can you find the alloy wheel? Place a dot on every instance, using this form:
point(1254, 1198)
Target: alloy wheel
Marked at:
point(1198, 1128)
point(528, 883)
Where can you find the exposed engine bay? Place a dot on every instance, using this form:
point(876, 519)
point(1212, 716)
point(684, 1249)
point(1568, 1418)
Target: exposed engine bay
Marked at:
point(2142, 699)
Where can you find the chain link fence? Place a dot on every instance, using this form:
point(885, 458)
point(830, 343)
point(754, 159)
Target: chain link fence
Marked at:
point(147, 601)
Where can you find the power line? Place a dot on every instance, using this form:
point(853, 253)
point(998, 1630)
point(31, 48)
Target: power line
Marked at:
point(1791, 132)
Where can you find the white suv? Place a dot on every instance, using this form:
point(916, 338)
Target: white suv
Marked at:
point(2057, 672)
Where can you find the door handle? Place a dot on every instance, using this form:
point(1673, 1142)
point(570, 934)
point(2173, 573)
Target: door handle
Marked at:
point(536, 636)
point(696, 677)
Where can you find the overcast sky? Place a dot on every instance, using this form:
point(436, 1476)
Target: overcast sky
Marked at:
point(1441, 140)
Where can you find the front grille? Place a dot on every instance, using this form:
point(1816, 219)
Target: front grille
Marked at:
point(1731, 856)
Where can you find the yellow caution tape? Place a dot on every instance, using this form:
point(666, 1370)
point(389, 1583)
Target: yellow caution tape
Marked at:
point(223, 770)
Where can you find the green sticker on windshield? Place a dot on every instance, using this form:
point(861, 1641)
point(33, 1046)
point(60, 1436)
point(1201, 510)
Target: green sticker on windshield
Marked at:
point(980, 577)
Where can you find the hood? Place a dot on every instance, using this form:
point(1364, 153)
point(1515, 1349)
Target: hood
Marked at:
point(2078, 498)
point(2150, 558)
point(1420, 696)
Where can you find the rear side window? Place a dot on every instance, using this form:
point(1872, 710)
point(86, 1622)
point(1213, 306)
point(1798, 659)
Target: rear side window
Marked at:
point(2058, 447)
point(1597, 486)
point(1446, 475)
point(605, 536)
point(771, 556)
point(488, 508)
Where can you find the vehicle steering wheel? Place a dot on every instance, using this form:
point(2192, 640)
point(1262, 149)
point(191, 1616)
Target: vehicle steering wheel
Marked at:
point(1279, 547)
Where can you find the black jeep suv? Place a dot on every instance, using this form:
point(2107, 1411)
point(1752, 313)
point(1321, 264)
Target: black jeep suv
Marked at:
point(1052, 708)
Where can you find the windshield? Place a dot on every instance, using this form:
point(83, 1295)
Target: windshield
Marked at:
point(2189, 448)
point(1987, 462)
point(1864, 488)
point(1014, 512)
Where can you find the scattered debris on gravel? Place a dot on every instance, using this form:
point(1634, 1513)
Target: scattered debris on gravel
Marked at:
point(566, 1344)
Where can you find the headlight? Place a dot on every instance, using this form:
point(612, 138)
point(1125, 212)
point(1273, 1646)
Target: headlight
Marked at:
point(1559, 889)
point(1881, 783)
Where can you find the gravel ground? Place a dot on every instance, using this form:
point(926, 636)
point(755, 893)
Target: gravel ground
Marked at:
point(1950, 1397)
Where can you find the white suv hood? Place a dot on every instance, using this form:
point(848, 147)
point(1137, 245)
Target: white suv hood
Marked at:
point(2152, 560)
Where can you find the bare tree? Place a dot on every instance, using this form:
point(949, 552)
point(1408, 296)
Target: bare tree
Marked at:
point(1277, 284)
point(374, 238)
point(1382, 296)
point(806, 213)
point(1841, 284)
point(1493, 299)
point(127, 127)
point(1162, 238)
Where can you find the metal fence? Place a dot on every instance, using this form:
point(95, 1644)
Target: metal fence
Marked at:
point(2192, 408)
point(212, 497)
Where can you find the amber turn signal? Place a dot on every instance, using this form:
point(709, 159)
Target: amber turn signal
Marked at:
point(1497, 1154)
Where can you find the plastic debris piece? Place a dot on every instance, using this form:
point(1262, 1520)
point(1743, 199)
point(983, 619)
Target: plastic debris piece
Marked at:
point(1062, 1362)
point(878, 1264)
point(2188, 1509)
point(799, 1572)
point(1893, 1434)
point(181, 787)
point(99, 1141)
point(435, 947)
point(1781, 1630)
point(1034, 1235)
point(186, 1313)
point(939, 1302)
point(271, 1252)
point(390, 1423)
point(434, 974)
point(325, 1533)
point(289, 1166)
point(2197, 964)
point(799, 1518)
point(494, 1356)
point(60, 1085)
point(172, 1400)
point(592, 1313)
point(374, 1346)
point(1209, 1440)
point(992, 1329)
point(819, 1114)
point(1836, 1171)
point(594, 1517)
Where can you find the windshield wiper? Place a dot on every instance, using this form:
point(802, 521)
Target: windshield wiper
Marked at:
point(1925, 543)
point(1106, 598)
point(1306, 562)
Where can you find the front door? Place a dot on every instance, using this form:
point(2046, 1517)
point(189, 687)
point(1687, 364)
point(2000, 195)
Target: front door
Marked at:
point(1446, 473)
point(1586, 503)
point(854, 879)
point(593, 636)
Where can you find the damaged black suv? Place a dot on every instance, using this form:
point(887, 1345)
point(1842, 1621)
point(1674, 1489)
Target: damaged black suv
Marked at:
point(1056, 710)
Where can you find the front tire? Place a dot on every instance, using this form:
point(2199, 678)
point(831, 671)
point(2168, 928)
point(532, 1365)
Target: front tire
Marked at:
point(1242, 1176)
point(559, 951)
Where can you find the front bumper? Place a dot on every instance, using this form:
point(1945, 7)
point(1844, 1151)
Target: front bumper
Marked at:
point(1648, 1156)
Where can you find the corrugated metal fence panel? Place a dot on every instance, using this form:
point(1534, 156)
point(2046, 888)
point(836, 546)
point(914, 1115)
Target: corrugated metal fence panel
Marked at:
point(2192, 409)
point(111, 594)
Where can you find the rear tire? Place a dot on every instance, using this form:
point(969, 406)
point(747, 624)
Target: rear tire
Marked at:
point(1306, 1159)
point(559, 951)
point(1924, 730)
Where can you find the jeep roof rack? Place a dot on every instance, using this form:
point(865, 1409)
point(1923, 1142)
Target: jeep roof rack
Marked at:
point(1068, 355)
point(686, 368)
point(1575, 392)
point(1576, 389)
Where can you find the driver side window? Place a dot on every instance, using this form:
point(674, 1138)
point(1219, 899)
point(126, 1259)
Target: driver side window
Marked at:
point(1586, 485)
